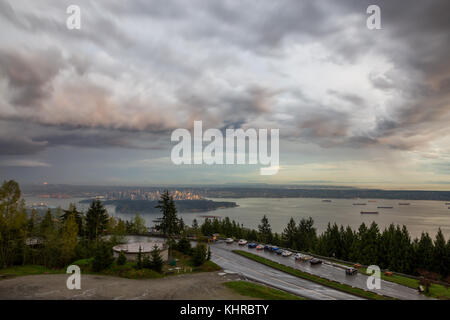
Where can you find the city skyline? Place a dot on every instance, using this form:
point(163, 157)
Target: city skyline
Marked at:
point(354, 106)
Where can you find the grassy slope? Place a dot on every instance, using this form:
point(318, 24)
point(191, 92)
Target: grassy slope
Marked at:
point(332, 284)
point(127, 270)
point(436, 290)
point(28, 270)
point(254, 290)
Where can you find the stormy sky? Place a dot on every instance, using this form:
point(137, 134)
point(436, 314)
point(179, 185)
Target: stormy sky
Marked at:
point(98, 105)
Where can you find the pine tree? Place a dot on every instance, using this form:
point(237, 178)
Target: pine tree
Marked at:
point(96, 220)
point(103, 256)
point(289, 234)
point(265, 231)
point(168, 223)
point(78, 217)
point(69, 239)
point(156, 259)
point(440, 253)
point(139, 259)
point(47, 224)
point(121, 259)
point(199, 254)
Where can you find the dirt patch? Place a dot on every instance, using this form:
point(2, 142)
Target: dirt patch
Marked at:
point(198, 286)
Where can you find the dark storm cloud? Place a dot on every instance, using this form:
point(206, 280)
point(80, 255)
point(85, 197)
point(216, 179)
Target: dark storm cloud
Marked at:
point(29, 74)
point(158, 42)
point(20, 146)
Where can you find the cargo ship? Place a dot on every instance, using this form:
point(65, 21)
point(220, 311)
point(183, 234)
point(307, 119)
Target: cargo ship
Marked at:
point(404, 204)
point(385, 207)
point(326, 200)
point(369, 212)
point(360, 204)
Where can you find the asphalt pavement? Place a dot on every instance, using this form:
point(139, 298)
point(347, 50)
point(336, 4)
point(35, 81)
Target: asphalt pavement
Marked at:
point(222, 255)
point(252, 270)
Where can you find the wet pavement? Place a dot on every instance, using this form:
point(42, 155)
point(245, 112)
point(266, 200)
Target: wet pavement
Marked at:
point(223, 256)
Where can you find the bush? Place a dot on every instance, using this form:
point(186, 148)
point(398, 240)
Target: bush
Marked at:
point(103, 257)
point(121, 259)
point(139, 259)
point(146, 262)
point(199, 255)
point(157, 261)
point(184, 246)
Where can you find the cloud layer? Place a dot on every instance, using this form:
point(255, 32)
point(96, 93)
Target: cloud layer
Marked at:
point(137, 70)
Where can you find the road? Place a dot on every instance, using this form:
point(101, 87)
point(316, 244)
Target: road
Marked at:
point(223, 256)
point(252, 270)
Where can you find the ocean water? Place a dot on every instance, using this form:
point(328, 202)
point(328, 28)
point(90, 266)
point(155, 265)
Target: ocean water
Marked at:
point(418, 216)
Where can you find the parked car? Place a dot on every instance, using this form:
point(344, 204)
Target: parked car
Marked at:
point(252, 245)
point(286, 253)
point(298, 256)
point(306, 258)
point(242, 242)
point(274, 249)
point(314, 261)
point(268, 247)
point(351, 271)
point(229, 240)
point(259, 247)
point(279, 252)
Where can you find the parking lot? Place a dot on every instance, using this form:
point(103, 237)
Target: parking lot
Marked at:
point(330, 271)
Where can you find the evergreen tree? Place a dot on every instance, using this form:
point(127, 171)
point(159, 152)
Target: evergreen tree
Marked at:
point(440, 254)
point(306, 235)
point(78, 217)
point(121, 259)
point(47, 225)
point(96, 220)
point(168, 223)
point(184, 246)
point(156, 259)
point(289, 234)
point(69, 239)
point(195, 225)
point(146, 262)
point(139, 261)
point(199, 255)
point(13, 224)
point(265, 231)
point(103, 256)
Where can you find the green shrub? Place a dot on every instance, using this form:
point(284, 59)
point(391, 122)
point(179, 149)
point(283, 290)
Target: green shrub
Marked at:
point(184, 246)
point(146, 262)
point(121, 259)
point(199, 255)
point(157, 261)
point(103, 257)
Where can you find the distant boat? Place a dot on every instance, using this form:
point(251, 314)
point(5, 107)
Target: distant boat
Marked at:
point(369, 212)
point(359, 204)
point(384, 207)
point(372, 201)
point(209, 217)
point(326, 200)
point(404, 204)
